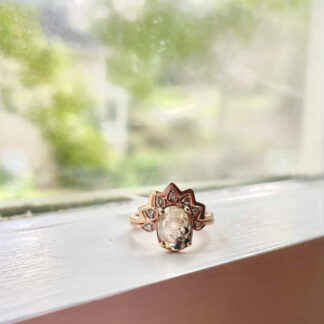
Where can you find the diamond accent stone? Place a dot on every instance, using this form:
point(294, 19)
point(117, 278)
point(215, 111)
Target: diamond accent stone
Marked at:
point(199, 225)
point(174, 228)
point(186, 200)
point(172, 196)
point(196, 211)
point(148, 227)
point(160, 201)
point(150, 213)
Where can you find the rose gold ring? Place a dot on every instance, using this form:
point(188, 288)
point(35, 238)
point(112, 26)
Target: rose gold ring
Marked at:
point(174, 214)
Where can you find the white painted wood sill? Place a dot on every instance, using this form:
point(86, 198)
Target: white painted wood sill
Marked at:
point(261, 261)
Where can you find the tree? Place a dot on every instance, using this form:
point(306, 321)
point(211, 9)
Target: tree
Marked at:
point(63, 115)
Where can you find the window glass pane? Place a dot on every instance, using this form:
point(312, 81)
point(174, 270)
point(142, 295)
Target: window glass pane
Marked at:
point(105, 94)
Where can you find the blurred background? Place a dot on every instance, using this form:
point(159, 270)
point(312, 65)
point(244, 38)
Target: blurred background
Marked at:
point(98, 94)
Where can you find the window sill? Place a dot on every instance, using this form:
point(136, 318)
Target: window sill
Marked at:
point(88, 265)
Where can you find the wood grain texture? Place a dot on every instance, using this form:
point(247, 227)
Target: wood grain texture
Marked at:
point(57, 260)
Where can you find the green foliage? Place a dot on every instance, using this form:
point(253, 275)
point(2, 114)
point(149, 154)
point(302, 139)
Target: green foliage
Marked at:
point(21, 38)
point(18, 29)
point(277, 5)
point(138, 168)
point(75, 141)
point(5, 176)
point(128, 70)
point(149, 53)
point(155, 46)
point(151, 49)
point(65, 121)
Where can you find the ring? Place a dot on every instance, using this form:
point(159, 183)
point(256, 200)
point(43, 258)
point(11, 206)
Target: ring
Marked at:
point(174, 214)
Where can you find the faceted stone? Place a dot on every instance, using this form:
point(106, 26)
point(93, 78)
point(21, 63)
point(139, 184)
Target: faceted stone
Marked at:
point(148, 227)
point(172, 196)
point(174, 228)
point(160, 201)
point(196, 210)
point(150, 213)
point(186, 200)
point(198, 225)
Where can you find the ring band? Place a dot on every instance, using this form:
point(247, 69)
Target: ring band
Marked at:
point(174, 214)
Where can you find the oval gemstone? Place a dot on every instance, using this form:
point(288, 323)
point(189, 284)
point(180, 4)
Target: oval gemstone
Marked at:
point(174, 228)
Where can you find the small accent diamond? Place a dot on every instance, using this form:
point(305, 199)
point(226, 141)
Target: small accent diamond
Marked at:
point(199, 225)
point(148, 227)
point(160, 201)
point(172, 196)
point(196, 211)
point(150, 213)
point(186, 200)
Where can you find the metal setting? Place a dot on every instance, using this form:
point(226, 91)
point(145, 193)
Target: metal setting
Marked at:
point(174, 214)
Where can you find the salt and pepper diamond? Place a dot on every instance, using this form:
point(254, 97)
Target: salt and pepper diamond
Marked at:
point(172, 196)
point(174, 228)
point(186, 200)
point(148, 227)
point(196, 211)
point(198, 225)
point(159, 201)
point(150, 213)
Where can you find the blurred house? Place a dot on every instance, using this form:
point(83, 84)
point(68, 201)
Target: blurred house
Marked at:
point(90, 57)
